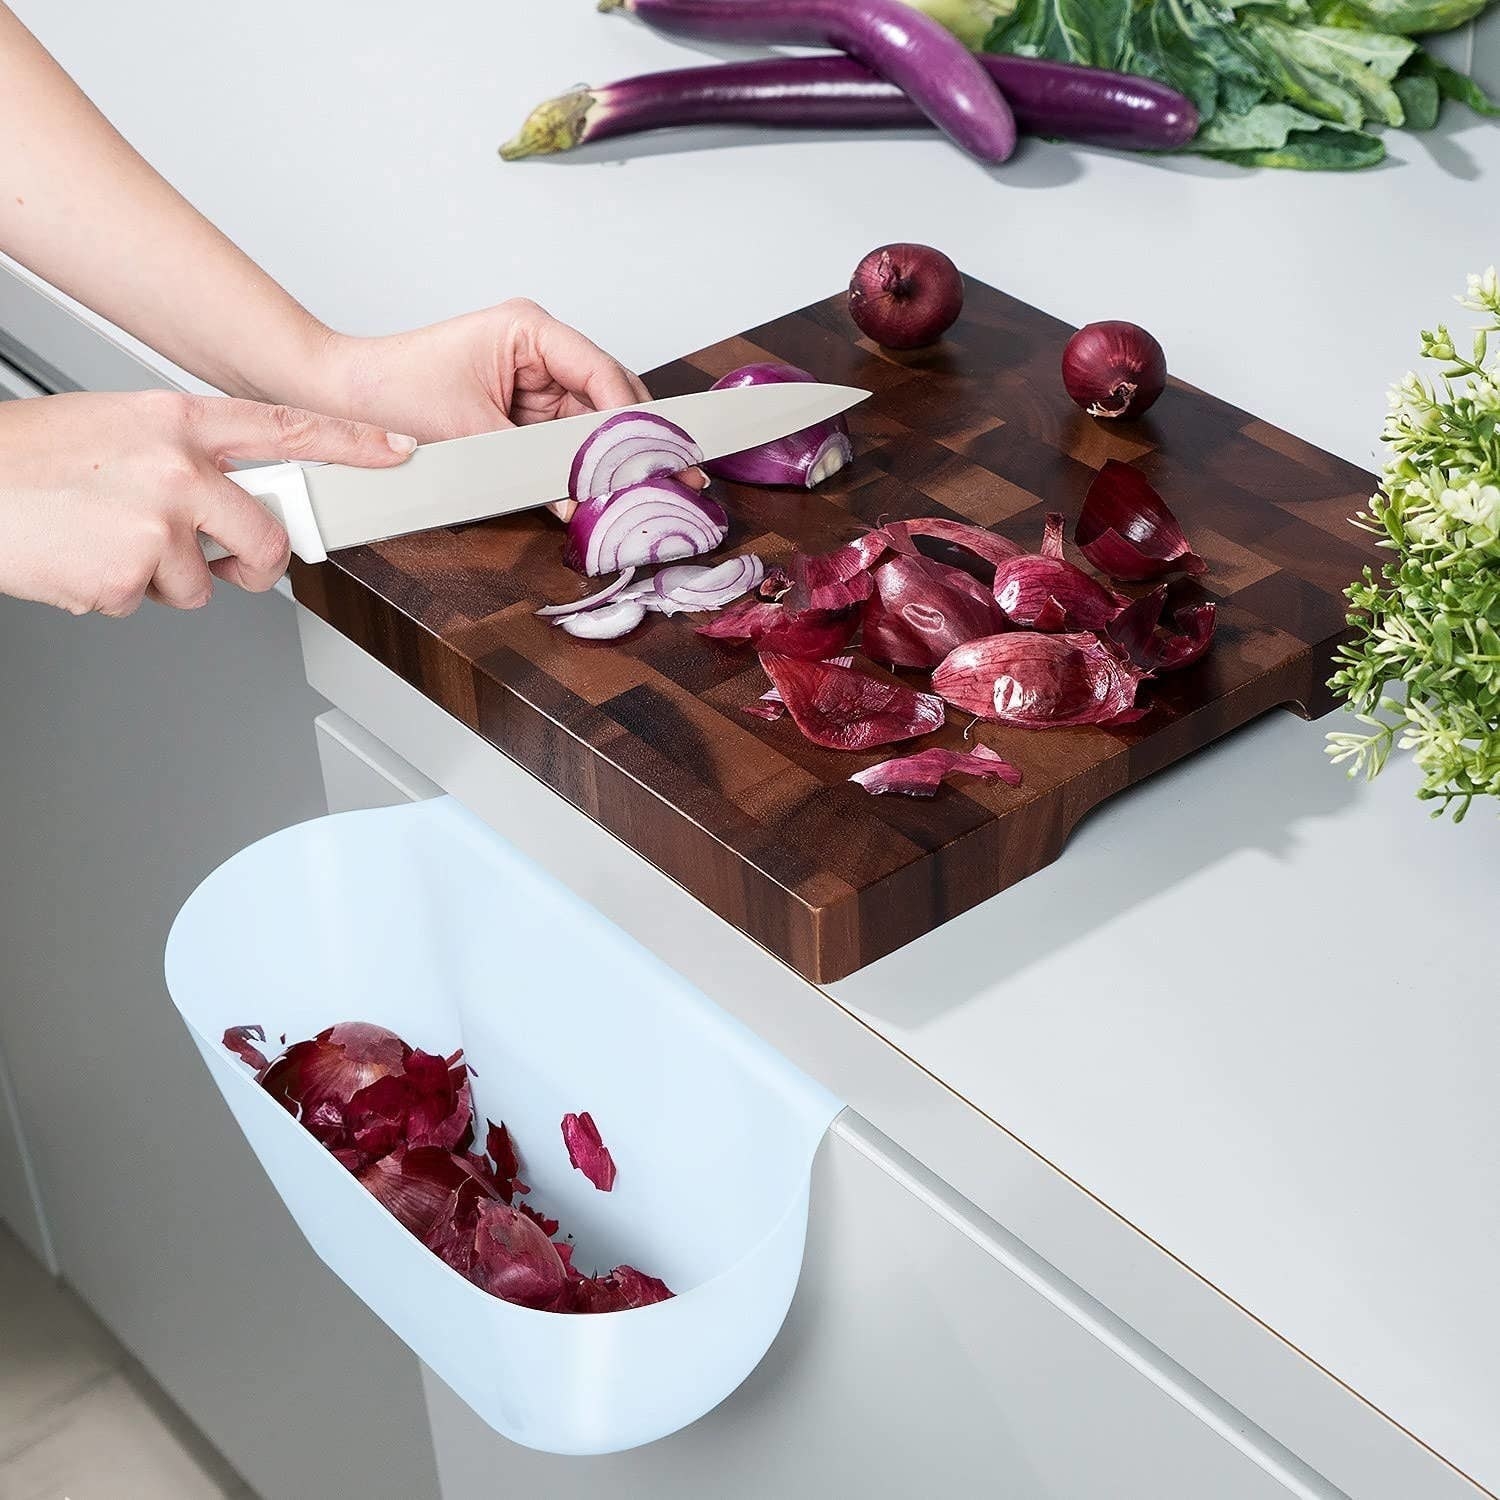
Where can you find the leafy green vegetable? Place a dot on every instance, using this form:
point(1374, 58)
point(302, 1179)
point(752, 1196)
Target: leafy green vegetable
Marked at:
point(1420, 100)
point(1285, 83)
point(1092, 32)
point(968, 20)
point(1452, 84)
point(1430, 623)
point(1401, 17)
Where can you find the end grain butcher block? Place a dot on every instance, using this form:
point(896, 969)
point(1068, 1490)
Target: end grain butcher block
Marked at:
point(648, 735)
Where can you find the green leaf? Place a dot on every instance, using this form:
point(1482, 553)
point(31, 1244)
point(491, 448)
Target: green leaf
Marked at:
point(1401, 17)
point(968, 20)
point(1091, 32)
point(1332, 71)
point(1454, 85)
point(1266, 127)
point(1420, 100)
point(1321, 150)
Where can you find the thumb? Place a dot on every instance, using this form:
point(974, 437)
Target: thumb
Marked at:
point(250, 429)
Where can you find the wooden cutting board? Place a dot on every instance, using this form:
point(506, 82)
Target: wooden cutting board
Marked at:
point(648, 736)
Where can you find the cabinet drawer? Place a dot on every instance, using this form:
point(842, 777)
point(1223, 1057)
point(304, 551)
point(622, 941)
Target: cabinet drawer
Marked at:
point(915, 1362)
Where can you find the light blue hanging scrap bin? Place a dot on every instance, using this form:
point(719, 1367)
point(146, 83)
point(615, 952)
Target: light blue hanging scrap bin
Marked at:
point(421, 919)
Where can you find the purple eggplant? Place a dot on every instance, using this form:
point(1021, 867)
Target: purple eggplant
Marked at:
point(911, 50)
point(1058, 99)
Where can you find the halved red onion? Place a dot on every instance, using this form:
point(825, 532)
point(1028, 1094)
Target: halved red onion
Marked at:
point(1048, 593)
point(920, 775)
point(1127, 531)
point(693, 588)
point(805, 458)
point(1156, 647)
point(593, 601)
point(1041, 681)
point(627, 448)
point(608, 623)
point(655, 521)
point(587, 1151)
point(921, 610)
point(847, 710)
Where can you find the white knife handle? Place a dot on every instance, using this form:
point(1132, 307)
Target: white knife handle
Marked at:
point(282, 489)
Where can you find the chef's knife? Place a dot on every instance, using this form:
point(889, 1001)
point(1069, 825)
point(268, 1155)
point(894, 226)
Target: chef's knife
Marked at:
point(328, 506)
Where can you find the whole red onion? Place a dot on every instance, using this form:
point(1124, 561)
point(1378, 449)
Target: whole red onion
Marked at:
point(905, 296)
point(1114, 369)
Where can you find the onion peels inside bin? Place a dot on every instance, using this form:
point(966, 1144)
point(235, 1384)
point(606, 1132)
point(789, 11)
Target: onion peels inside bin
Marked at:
point(419, 1185)
point(921, 775)
point(1041, 681)
point(1127, 531)
point(514, 1259)
point(842, 709)
point(587, 1151)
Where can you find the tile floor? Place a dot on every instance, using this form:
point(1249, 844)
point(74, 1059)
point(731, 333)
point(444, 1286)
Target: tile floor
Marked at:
point(79, 1419)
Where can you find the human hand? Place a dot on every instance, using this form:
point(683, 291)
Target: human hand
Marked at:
point(102, 497)
point(509, 365)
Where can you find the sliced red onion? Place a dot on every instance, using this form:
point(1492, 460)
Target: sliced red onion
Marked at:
point(1127, 531)
point(920, 775)
point(655, 521)
point(608, 623)
point(625, 449)
point(805, 458)
point(593, 601)
point(921, 610)
point(846, 710)
point(587, 1151)
point(1041, 681)
point(693, 588)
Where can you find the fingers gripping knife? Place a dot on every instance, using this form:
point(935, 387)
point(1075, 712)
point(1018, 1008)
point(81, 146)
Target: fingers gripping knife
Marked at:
point(328, 506)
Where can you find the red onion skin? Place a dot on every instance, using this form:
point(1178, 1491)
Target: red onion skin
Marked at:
point(1062, 100)
point(935, 70)
point(1114, 369)
point(1058, 680)
point(922, 610)
point(1126, 529)
point(905, 296)
point(587, 1151)
point(841, 709)
point(921, 775)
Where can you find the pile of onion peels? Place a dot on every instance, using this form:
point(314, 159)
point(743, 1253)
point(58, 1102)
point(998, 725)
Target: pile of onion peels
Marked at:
point(402, 1121)
point(1026, 639)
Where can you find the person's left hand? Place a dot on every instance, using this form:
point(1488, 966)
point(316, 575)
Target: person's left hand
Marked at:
point(509, 365)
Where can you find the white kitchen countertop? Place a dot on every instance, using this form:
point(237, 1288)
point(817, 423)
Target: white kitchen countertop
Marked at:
point(1253, 1007)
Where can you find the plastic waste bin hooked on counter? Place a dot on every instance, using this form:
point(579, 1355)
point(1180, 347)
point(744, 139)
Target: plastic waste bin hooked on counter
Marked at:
point(420, 919)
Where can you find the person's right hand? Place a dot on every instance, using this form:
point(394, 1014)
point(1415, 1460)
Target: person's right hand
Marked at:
point(102, 496)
